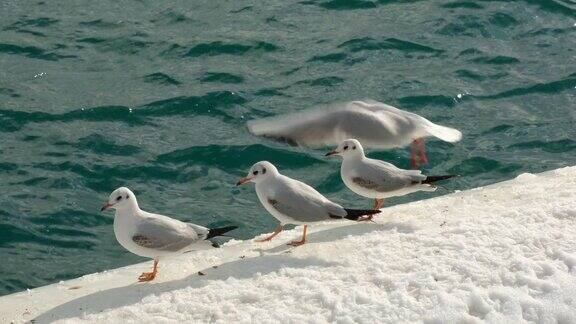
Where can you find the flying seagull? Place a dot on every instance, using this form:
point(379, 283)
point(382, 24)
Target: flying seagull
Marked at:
point(377, 125)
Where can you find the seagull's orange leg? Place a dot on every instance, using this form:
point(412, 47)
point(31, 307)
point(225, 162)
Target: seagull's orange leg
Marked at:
point(302, 241)
point(422, 150)
point(378, 203)
point(277, 230)
point(149, 276)
point(413, 152)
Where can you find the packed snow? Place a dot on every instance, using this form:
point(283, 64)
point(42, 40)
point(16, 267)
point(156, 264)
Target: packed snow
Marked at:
point(498, 254)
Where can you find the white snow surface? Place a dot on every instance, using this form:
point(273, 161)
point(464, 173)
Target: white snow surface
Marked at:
point(504, 253)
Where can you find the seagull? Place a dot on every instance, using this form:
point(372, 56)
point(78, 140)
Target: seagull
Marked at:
point(293, 202)
point(152, 235)
point(378, 179)
point(376, 124)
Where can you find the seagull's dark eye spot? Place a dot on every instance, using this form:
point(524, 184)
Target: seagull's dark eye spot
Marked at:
point(354, 147)
point(118, 198)
point(346, 147)
point(255, 173)
point(263, 170)
point(127, 197)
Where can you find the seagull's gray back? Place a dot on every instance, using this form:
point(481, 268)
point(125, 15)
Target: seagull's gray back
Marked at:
point(302, 203)
point(164, 234)
point(385, 177)
point(374, 124)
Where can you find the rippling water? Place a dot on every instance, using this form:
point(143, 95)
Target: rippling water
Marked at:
point(95, 95)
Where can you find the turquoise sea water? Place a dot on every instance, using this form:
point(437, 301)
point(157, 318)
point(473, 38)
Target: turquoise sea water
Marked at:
point(155, 96)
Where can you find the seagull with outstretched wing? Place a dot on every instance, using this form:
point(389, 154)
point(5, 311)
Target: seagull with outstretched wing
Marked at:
point(375, 124)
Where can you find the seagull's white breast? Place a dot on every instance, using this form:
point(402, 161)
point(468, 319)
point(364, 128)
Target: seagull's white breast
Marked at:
point(124, 229)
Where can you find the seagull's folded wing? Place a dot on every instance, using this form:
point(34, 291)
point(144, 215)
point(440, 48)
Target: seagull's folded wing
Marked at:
point(303, 203)
point(384, 177)
point(164, 234)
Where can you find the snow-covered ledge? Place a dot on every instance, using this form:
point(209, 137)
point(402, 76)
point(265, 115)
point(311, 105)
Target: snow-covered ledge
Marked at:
point(501, 253)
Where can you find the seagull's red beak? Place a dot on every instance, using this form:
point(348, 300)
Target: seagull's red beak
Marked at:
point(244, 180)
point(332, 153)
point(106, 206)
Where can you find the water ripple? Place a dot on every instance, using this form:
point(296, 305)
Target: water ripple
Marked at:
point(370, 44)
point(495, 60)
point(219, 48)
point(221, 77)
point(232, 158)
point(213, 104)
point(32, 52)
point(425, 100)
point(161, 78)
point(559, 146)
point(322, 82)
point(566, 83)
point(462, 4)
point(353, 4)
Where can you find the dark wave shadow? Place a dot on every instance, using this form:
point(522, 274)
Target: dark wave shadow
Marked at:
point(426, 100)
point(221, 77)
point(461, 4)
point(353, 4)
point(210, 104)
point(370, 44)
point(213, 104)
point(557, 86)
point(219, 48)
point(322, 82)
point(160, 78)
point(32, 52)
point(559, 146)
point(237, 157)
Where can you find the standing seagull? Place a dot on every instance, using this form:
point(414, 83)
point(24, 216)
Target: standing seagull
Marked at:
point(376, 124)
point(152, 235)
point(378, 179)
point(294, 202)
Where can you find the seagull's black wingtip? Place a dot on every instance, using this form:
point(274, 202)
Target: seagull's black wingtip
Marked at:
point(213, 232)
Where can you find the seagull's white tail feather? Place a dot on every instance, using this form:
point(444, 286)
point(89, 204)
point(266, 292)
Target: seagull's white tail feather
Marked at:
point(446, 134)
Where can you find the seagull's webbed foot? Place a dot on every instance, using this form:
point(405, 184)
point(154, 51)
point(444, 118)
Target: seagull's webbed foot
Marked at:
point(266, 239)
point(303, 240)
point(297, 243)
point(277, 231)
point(149, 276)
point(378, 203)
point(369, 218)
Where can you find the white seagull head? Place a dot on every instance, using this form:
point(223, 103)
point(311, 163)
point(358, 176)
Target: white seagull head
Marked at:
point(259, 172)
point(347, 149)
point(120, 198)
